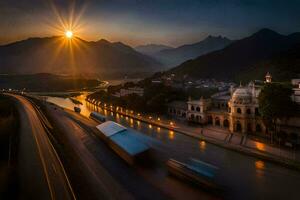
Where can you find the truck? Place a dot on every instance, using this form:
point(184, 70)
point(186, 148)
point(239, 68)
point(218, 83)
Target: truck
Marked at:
point(98, 117)
point(77, 109)
point(196, 172)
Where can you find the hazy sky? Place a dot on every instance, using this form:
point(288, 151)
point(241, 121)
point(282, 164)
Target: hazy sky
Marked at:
point(172, 22)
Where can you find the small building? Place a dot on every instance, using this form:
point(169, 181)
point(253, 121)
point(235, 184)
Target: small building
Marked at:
point(268, 78)
point(197, 110)
point(296, 89)
point(122, 141)
point(177, 109)
point(156, 81)
point(133, 90)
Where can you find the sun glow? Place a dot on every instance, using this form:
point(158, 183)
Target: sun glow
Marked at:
point(68, 26)
point(69, 34)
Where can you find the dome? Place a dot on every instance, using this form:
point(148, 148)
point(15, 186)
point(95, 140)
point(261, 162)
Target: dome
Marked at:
point(241, 96)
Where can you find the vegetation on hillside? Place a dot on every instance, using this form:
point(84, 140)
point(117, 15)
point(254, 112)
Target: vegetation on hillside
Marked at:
point(46, 83)
point(283, 67)
point(275, 104)
point(247, 59)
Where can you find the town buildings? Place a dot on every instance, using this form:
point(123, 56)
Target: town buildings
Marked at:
point(127, 91)
point(236, 110)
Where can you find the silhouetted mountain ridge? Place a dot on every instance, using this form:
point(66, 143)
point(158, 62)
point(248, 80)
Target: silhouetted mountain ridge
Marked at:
point(60, 56)
point(176, 56)
point(239, 57)
point(151, 49)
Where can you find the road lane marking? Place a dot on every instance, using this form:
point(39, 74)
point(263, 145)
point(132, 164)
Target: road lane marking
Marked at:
point(56, 157)
point(54, 168)
point(33, 116)
point(44, 166)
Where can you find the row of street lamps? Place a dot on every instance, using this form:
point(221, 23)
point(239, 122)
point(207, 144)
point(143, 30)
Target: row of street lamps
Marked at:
point(127, 112)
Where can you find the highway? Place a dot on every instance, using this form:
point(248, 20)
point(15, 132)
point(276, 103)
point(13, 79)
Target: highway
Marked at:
point(98, 180)
point(42, 175)
point(104, 173)
point(104, 168)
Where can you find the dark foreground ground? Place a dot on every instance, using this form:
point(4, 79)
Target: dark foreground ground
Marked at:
point(8, 142)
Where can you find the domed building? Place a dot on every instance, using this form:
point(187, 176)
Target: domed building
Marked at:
point(243, 110)
point(235, 110)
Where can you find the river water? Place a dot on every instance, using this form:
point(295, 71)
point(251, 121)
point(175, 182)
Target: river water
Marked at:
point(245, 177)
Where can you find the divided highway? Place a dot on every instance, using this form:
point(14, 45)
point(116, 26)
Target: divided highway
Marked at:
point(42, 175)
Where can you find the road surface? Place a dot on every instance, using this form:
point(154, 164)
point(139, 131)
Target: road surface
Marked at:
point(139, 181)
point(105, 171)
point(42, 175)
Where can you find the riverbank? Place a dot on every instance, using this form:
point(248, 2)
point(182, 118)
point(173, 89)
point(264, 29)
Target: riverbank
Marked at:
point(264, 155)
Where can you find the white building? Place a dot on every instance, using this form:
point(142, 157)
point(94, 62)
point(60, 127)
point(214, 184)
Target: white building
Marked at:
point(296, 88)
point(133, 90)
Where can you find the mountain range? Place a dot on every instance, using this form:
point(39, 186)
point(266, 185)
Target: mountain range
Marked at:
point(172, 57)
point(60, 56)
point(250, 58)
point(216, 57)
point(152, 49)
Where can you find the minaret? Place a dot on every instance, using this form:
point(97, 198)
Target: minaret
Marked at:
point(268, 78)
point(253, 90)
point(231, 90)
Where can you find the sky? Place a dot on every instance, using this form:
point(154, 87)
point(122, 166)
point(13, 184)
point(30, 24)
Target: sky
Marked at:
point(136, 22)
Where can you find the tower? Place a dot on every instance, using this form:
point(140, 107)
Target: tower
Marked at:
point(268, 78)
point(231, 90)
point(253, 90)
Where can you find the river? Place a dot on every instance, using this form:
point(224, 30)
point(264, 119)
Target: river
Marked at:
point(245, 177)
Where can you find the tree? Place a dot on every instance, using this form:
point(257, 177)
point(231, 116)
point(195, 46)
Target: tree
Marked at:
point(275, 104)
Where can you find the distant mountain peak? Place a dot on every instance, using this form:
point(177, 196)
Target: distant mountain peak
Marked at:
point(103, 41)
point(266, 32)
point(151, 49)
point(212, 37)
point(175, 56)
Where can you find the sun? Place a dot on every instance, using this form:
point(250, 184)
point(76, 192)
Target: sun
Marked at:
point(69, 34)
